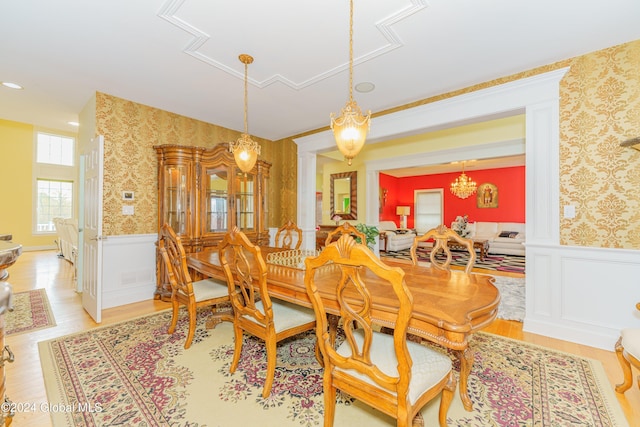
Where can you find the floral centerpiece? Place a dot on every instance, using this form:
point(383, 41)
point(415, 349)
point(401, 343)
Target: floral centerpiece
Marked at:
point(337, 219)
point(460, 225)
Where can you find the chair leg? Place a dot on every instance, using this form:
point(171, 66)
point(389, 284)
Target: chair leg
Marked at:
point(271, 367)
point(192, 325)
point(174, 317)
point(237, 349)
point(329, 401)
point(626, 369)
point(445, 400)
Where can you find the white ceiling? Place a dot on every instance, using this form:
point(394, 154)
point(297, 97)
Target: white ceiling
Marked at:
point(181, 55)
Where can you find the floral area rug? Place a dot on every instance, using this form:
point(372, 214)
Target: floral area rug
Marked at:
point(31, 312)
point(497, 262)
point(134, 373)
point(512, 297)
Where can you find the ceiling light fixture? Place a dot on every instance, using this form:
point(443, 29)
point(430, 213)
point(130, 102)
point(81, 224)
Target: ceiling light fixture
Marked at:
point(11, 85)
point(365, 87)
point(245, 150)
point(463, 186)
point(351, 128)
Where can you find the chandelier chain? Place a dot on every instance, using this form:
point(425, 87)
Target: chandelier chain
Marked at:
point(351, 51)
point(246, 98)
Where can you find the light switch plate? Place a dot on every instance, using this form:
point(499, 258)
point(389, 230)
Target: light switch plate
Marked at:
point(569, 211)
point(127, 210)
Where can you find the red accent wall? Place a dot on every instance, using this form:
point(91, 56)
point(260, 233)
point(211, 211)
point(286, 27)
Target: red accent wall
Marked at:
point(509, 181)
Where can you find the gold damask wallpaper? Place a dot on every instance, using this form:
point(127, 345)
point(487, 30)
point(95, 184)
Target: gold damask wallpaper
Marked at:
point(131, 130)
point(599, 108)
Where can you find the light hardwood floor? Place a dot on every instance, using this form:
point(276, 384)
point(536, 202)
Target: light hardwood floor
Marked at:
point(24, 380)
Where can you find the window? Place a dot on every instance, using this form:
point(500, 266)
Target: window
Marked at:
point(54, 175)
point(55, 149)
point(428, 210)
point(55, 199)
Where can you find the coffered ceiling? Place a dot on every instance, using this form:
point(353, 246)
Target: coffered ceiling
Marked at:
point(182, 55)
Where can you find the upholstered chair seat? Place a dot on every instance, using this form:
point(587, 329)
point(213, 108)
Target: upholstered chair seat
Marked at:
point(209, 288)
point(429, 366)
point(286, 315)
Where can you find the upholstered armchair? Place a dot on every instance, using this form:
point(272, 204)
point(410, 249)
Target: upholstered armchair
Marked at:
point(628, 352)
point(396, 239)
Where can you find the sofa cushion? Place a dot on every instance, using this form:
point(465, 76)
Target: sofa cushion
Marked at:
point(485, 230)
point(509, 234)
point(387, 225)
point(518, 227)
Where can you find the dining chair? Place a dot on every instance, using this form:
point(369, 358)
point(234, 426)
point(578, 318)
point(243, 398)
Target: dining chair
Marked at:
point(206, 292)
point(443, 237)
point(271, 320)
point(345, 228)
point(286, 234)
point(387, 372)
point(628, 352)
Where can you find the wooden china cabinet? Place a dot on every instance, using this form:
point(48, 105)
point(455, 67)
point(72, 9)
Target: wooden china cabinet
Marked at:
point(202, 194)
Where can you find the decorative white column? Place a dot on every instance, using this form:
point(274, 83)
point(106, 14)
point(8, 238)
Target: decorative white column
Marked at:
point(306, 218)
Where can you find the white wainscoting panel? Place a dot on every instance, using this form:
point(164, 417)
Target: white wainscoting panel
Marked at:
point(129, 269)
point(580, 294)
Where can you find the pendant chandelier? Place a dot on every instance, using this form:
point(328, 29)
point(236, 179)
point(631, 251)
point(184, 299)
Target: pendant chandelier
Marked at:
point(463, 186)
point(351, 128)
point(245, 150)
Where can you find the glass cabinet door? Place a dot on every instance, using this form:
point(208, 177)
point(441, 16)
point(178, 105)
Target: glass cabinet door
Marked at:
point(175, 198)
point(245, 201)
point(217, 199)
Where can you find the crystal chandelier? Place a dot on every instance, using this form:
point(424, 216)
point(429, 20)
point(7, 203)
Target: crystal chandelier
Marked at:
point(245, 150)
point(351, 128)
point(463, 186)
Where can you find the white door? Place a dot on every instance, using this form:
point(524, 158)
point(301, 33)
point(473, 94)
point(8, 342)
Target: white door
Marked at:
point(92, 242)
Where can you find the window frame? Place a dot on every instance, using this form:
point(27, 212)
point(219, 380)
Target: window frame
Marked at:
point(53, 172)
point(417, 214)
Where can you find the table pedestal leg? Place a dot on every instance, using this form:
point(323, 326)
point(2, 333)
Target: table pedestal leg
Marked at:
point(466, 362)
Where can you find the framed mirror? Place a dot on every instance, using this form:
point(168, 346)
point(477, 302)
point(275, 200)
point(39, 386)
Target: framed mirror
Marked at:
point(344, 195)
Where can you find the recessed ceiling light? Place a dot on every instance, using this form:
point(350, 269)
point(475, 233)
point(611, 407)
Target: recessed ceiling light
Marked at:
point(11, 85)
point(365, 87)
point(74, 123)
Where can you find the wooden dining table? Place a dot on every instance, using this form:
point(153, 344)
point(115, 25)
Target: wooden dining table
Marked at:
point(448, 306)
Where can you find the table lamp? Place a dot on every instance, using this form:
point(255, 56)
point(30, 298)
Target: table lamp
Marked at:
point(403, 211)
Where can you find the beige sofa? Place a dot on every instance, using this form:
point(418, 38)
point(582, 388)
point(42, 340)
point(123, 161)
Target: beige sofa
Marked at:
point(397, 240)
point(504, 237)
point(67, 230)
